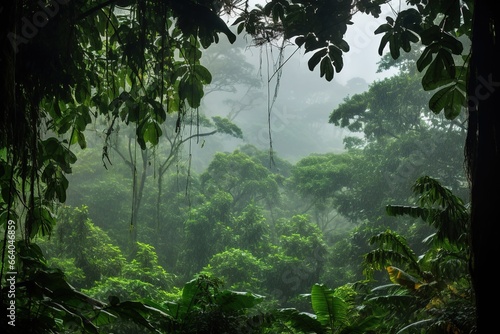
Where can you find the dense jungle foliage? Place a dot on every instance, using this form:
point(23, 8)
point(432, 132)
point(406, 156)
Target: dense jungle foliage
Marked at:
point(108, 227)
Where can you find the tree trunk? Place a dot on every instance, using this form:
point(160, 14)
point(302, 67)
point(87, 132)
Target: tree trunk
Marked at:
point(483, 157)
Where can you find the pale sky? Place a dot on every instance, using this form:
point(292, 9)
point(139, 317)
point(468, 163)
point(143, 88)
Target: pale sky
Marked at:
point(361, 60)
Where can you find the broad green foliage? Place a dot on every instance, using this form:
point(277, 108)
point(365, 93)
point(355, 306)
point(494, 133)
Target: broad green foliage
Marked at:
point(299, 236)
point(401, 143)
point(338, 315)
point(125, 288)
point(207, 231)
point(203, 307)
point(440, 208)
point(297, 260)
point(252, 231)
point(91, 261)
point(432, 285)
point(47, 303)
point(330, 309)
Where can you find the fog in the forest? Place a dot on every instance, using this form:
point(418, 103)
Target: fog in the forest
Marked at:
point(293, 104)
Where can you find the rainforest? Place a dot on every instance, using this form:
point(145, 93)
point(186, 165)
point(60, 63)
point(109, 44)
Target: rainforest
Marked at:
point(156, 178)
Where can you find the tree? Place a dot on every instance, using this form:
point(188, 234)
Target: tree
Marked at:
point(174, 142)
point(432, 284)
point(297, 260)
point(483, 157)
point(320, 178)
point(241, 176)
point(239, 269)
point(77, 238)
point(469, 84)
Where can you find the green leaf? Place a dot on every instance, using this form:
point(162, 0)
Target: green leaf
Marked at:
point(202, 73)
point(189, 291)
point(412, 211)
point(240, 28)
point(451, 43)
point(430, 35)
point(383, 28)
point(191, 53)
point(408, 37)
point(191, 90)
point(326, 69)
point(315, 59)
point(342, 45)
point(81, 93)
point(335, 55)
point(394, 47)
point(43, 222)
point(450, 99)
point(441, 71)
point(152, 132)
point(78, 137)
point(159, 113)
point(300, 40)
point(453, 15)
point(278, 12)
point(329, 309)
point(302, 321)
point(134, 311)
point(383, 42)
point(426, 57)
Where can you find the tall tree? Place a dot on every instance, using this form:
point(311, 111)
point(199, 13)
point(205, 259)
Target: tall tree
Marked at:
point(483, 153)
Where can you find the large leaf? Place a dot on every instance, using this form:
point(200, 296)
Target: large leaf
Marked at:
point(398, 276)
point(191, 89)
point(451, 99)
point(326, 69)
point(202, 73)
point(440, 72)
point(330, 310)
point(315, 59)
point(426, 57)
